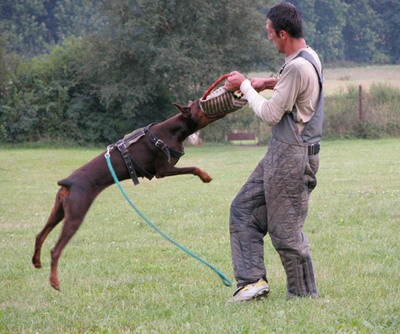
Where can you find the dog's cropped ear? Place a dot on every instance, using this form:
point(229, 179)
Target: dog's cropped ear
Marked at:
point(184, 110)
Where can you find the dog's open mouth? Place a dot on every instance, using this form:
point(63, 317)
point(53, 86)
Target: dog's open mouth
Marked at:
point(221, 101)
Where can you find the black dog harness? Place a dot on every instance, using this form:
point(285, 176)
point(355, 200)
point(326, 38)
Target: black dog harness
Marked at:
point(131, 164)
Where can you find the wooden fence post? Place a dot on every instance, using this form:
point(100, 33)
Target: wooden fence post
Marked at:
point(360, 103)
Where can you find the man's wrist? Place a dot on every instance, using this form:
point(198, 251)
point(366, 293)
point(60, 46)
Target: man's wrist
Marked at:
point(245, 86)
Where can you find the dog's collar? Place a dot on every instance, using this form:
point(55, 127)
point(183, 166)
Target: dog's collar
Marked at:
point(168, 151)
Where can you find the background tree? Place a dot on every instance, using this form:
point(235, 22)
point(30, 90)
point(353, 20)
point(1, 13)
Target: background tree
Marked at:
point(324, 24)
point(352, 31)
point(168, 51)
point(148, 55)
point(388, 24)
point(3, 66)
point(362, 39)
point(32, 26)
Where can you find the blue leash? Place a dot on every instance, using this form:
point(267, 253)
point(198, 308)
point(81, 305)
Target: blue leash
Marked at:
point(223, 277)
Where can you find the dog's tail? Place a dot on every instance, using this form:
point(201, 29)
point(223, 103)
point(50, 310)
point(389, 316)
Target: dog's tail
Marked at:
point(67, 183)
point(57, 213)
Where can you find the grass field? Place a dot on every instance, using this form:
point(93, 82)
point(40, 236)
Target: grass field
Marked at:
point(119, 276)
point(339, 79)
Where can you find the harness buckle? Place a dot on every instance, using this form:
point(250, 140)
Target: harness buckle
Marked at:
point(159, 143)
point(121, 145)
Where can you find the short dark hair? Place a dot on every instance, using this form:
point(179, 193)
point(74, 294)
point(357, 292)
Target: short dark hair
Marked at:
point(285, 16)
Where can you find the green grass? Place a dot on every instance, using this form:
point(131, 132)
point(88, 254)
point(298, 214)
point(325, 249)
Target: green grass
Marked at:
point(119, 276)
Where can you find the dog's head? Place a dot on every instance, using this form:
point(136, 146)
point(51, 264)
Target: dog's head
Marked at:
point(198, 118)
point(214, 105)
point(222, 101)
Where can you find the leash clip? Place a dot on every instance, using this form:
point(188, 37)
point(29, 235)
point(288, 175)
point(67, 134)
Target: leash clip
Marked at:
point(109, 148)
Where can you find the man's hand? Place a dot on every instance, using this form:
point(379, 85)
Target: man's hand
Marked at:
point(234, 81)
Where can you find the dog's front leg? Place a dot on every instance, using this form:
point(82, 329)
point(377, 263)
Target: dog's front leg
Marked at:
point(184, 170)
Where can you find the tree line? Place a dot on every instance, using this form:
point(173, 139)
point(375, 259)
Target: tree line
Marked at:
point(353, 31)
point(90, 71)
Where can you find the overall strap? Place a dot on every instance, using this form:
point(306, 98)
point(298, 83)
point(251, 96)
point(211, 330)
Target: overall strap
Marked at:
point(312, 132)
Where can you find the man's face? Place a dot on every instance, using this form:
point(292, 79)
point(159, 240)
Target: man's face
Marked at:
point(272, 36)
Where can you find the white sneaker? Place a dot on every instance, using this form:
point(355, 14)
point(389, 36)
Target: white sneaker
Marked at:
point(255, 291)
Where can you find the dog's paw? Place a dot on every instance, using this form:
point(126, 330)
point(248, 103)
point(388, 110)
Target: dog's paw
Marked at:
point(55, 283)
point(36, 263)
point(205, 177)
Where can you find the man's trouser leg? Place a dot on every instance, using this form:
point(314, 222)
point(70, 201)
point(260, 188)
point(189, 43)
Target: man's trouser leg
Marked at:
point(248, 228)
point(289, 178)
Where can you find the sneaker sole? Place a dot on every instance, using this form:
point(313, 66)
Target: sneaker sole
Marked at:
point(261, 295)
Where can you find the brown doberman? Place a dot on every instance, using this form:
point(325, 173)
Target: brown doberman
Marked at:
point(147, 152)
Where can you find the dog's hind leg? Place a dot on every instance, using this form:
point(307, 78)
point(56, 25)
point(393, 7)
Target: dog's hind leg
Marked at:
point(69, 229)
point(56, 215)
point(75, 206)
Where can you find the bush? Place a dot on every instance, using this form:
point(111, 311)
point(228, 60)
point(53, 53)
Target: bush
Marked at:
point(381, 113)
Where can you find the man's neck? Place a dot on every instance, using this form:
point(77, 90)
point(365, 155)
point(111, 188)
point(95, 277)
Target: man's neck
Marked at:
point(294, 45)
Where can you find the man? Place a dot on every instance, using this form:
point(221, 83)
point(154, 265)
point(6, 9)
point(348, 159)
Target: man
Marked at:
point(274, 199)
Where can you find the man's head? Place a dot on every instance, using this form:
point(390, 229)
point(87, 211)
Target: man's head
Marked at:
point(286, 17)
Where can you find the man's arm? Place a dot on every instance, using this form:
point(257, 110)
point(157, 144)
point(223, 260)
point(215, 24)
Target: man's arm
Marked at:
point(260, 84)
point(270, 110)
point(234, 81)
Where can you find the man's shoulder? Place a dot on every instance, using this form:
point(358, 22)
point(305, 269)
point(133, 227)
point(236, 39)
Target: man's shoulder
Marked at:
point(298, 64)
point(303, 58)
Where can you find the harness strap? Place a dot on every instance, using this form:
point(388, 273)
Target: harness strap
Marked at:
point(128, 161)
point(168, 151)
point(131, 164)
point(142, 171)
point(133, 137)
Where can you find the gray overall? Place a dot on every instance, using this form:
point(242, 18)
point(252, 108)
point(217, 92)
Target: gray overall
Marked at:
point(274, 200)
